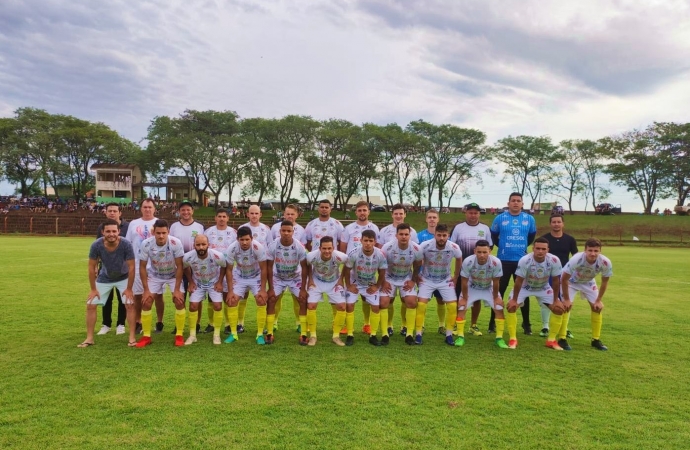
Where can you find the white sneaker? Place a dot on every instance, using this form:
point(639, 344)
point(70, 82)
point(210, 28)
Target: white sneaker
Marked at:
point(216, 340)
point(104, 330)
point(190, 340)
point(120, 329)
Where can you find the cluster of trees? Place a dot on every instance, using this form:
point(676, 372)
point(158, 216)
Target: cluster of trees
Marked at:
point(422, 163)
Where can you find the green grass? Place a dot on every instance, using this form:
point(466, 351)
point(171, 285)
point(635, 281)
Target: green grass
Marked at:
point(55, 395)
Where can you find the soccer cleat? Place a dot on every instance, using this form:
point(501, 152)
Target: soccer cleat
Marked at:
point(564, 344)
point(227, 329)
point(343, 330)
point(527, 329)
point(240, 328)
point(350, 341)
point(366, 329)
point(544, 332)
point(275, 327)
point(143, 342)
point(409, 340)
point(299, 328)
point(174, 330)
point(138, 329)
point(385, 340)
point(230, 339)
point(190, 340)
point(441, 330)
point(491, 330)
point(569, 335)
point(460, 341)
point(265, 331)
point(120, 329)
point(596, 343)
point(198, 328)
point(511, 343)
point(474, 330)
point(374, 341)
point(303, 340)
point(209, 328)
point(260, 340)
point(339, 342)
point(104, 330)
point(553, 345)
point(312, 341)
point(159, 327)
point(269, 339)
point(179, 341)
point(418, 339)
point(391, 332)
point(502, 344)
point(449, 340)
point(216, 340)
point(403, 331)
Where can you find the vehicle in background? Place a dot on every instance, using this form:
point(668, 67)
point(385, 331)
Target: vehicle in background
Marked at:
point(607, 209)
point(681, 210)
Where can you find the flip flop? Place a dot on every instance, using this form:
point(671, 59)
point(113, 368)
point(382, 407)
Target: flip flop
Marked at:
point(85, 344)
point(132, 344)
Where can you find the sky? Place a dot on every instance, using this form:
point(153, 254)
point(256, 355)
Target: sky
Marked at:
point(569, 70)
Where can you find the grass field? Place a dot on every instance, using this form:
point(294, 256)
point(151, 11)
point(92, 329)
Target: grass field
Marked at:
point(55, 395)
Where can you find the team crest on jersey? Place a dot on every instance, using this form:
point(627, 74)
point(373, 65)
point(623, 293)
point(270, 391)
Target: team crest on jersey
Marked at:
point(286, 254)
point(439, 257)
point(481, 233)
point(540, 272)
point(515, 221)
point(194, 233)
point(161, 255)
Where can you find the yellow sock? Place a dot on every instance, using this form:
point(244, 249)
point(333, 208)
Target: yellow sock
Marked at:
point(389, 320)
point(385, 320)
point(311, 321)
point(295, 309)
point(350, 323)
point(451, 315)
point(500, 326)
point(217, 322)
point(241, 310)
point(233, 313)
point(270, 321)
point(180, 318)
point(279, 305)
point(554, 326)
point(403, 312)
point(460, 327)
point(410, 317)
point(146, 323)
point(260, 319)
point(226, 313)
point(441, 312)
point(366, 310)
point(596, 325)
point(563, 332)
point(338, 323)
point(419, 318)
point(303, 325)
point(334, 310)
point(209, 312)
point(191, 319)
point(375, 319)
point(511, 323)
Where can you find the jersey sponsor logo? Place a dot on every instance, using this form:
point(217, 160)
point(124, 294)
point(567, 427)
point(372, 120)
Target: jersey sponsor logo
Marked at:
point(525, 223)
point(516, 231)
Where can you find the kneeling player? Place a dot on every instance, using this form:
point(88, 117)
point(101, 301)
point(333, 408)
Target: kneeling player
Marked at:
point(479, 278)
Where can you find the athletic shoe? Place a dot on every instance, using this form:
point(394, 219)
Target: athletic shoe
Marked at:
point(227, 329)
point(442, 330)
point(366, 329)
point(179, 341)
point(209, 328)
point(240, 329)
point(265, 331)
point(409, 340)
point(596, 343)
point(216, 340)
point(491, 330)
point(564, 344)
point(120, 329)
point(385, 340)
point(312, 341)
point(569, 335)
point(174, 330)
point(269, 339)
point(260, 340)
point(450, 340)
point(374, 341)
point(339, 342)
point(104, 330)
point(512, 343)
point(460, 341)
point(198, 328)
point(403, 331)
point(350, 341)
point(138, 329)
point(275, 327)
point(299, 328)
point(527, 329)
point(159, 327)
point(544, 332)
point(143, 342)
point(418, 339)
point(343, 330)
point(554, 345)
point(190, 340)
point(502, 344)
point(230, 339)
point(474, 330)
point(303, 340)
point(391, 332)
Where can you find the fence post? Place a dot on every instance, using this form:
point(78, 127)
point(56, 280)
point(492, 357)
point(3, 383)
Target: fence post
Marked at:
point(681, 239)
point(57, 219)
point(31, 224)
point(82, 226)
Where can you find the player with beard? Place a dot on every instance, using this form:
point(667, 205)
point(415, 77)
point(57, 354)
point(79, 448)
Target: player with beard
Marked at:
point(220, 237)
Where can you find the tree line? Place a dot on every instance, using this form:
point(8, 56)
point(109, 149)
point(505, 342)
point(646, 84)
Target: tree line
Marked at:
point(421, 163)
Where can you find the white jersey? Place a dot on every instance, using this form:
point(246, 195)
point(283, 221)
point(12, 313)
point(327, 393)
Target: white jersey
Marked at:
point(246, 262)
point(298, 235)
point(365, 267)
point(139, 230)
point(316, 229)
point(481, 276)
point(326, 271)
point(220, 239)
point(260, 233)
point(581, 271)
point(537, 274)
point(161, 260)
point(400, 261)
point(389, 231)
point(438, 263)
point(466, 236)
point(186, 233)
point(352, 234)
point(205, 272)
point(286, 259)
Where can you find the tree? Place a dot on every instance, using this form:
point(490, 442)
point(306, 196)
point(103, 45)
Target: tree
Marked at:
point(567, 180)
point(593, 164)
point(313, 174)
point(262, 163)
point(417, 189)
point(673, 140)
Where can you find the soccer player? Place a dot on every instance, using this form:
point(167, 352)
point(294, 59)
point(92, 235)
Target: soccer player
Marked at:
point(113, 211)
point(436, 275)
point(363, 265)
point(220, 237)
point(286, 270)
point(561, 245)
point(324, 225)
point(205, 270)
point(160, 264)
point(579, 276)
point(479, 279)
point(116, 257)
point(513, 231)
point(532, 279)
point(186, 229)
point(324, 277)
point(351, 239)
point(248, 260)
point(466, 235)
point(139, 230)
point(404, 259)
point(426, 235)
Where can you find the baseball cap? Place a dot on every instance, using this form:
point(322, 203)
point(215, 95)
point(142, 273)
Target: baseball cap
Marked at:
point(185, 203)
point(472, 206)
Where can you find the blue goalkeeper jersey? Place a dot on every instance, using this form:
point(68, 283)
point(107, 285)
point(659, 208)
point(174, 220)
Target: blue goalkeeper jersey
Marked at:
point(513, 233)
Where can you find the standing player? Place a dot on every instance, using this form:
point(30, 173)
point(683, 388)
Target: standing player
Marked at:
point(363, 265)
point(205, 270)
point(324, 225)
point(116, 257)
point(466, 235)
point(436, 275)
point(160, 265)
point(113, 211)
point(532, 279)
point(561, 245)
point(423, 236)
point(325, 278)
point(286, 270)
point(513, 231)
point(248, 260)
point(139, 230)
point(579, 276)
point(404, 259)
point(479, 279)
point(220, 237)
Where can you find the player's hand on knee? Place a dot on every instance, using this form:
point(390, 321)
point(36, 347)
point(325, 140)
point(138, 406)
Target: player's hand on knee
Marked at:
point(512, 305)
point(567, 305)
point(191, 287)
point(92, 294)
point(218, 287)
point(353, 289)
point(557, 308)
point(598, 306)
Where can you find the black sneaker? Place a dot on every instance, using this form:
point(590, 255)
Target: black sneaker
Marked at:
point(350, 340)
point(492, 329)
point(544, 332)
point(159, 327)
point(527, 329)
point(409, 340)
point(198, 328)
point(227, 330)
point(209, 328)
point(174, 331)
point(569, 335)
point(240, 329)
point(385, 340)
point(374, 341)
point(138, 329)
point(563, 343)
point(596, 343)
